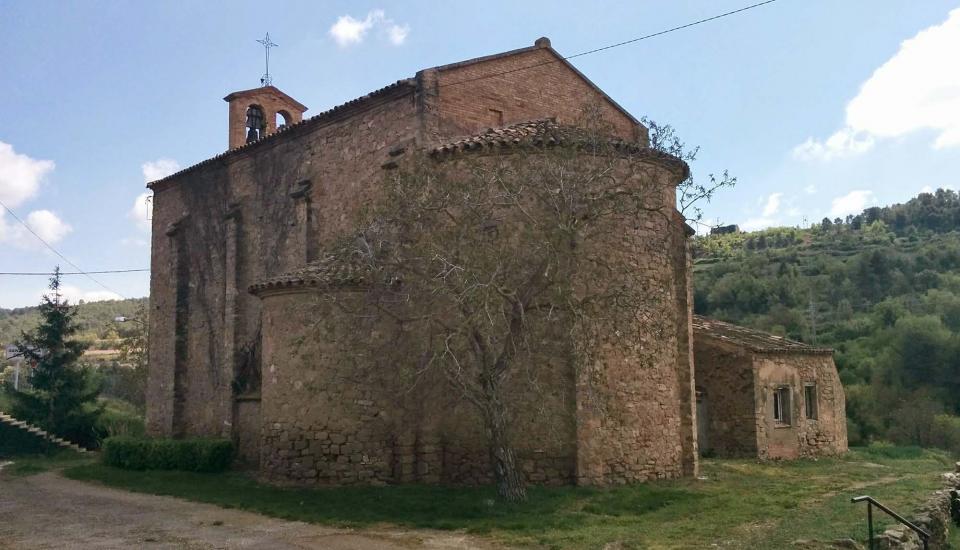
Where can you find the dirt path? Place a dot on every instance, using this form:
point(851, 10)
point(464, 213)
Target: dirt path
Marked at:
point(49, 511)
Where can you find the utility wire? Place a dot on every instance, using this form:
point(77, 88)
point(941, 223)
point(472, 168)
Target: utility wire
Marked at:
point(57, 252)
point(581, 54)
point(74, 272)
point(611, 46)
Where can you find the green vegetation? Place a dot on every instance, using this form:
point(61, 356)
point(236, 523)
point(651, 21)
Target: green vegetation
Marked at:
point(741, 503)
point(882, 288)
point(62, 394)
point(95, 321)
point(15, 442)
point(119, 418)
point(188, 455)
point(28, 465)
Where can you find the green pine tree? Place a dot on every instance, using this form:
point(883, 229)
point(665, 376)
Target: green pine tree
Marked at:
point(63, 395)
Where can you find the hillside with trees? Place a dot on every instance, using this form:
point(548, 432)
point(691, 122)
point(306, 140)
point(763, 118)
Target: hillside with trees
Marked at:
point(96, 321)
point(881, 287)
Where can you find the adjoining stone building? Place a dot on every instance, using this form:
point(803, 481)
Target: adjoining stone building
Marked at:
point(262, 216)
point(761, 395)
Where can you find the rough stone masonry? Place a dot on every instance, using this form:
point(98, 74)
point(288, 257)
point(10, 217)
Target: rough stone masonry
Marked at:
point(238, 265)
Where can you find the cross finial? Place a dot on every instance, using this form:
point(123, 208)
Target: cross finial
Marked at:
point(265, 80)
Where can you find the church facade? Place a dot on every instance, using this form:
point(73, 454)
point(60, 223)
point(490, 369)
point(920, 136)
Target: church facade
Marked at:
point(238, 255)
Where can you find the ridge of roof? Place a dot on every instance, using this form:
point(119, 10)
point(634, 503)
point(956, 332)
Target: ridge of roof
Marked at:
point(755, 340)
point(274, 89)
point(315, 119)
point(542, 43)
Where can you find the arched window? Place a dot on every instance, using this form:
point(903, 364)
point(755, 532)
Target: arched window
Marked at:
point(283, 119)
point(256, 123)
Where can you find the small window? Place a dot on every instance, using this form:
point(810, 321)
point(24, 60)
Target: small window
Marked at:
point(781, 405)
point(810, 401)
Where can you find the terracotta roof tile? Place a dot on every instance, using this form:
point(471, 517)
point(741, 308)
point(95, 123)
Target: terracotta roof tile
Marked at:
point(751, 339)
point(335, 270)
point(544, 131)
point(316, 119)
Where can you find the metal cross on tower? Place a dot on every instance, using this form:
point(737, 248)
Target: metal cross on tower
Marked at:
point(265, 80)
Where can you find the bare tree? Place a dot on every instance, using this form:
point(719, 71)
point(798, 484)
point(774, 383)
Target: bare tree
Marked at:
point(691, 193)
point(484, 250)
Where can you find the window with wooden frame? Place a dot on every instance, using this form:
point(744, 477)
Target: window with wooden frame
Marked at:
point(810, 401)
point(781, 405)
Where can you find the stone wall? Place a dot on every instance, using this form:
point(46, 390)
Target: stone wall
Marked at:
point(933, 516)
point(272, 206)
point(226, 224)
point(514, 88)
point(724, 377)
point(617, 419)
point(338, 413)
point(827, 434)
point(630, 398)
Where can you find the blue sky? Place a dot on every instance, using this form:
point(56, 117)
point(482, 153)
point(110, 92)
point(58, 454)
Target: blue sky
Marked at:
point(819, 107)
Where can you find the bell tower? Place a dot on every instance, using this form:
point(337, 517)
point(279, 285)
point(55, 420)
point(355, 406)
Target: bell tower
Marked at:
point(257, 113)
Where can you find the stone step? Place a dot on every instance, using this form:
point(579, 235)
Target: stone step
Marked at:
point(39, 432)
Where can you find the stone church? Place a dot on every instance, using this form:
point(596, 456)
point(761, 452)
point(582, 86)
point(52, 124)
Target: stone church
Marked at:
point(238, 255)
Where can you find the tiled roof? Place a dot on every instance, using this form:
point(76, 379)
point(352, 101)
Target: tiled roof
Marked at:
point(751, 339)
point(335, 270)
point(316, 119)
point(544, 131)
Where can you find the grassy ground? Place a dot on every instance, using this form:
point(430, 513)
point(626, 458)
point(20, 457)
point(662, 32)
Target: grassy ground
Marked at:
point(35, 464)
point(5, 403)
point(740, 504)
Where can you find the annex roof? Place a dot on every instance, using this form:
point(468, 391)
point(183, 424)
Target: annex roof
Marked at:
point(754, 340)
point(544, 131)
point(334, 270)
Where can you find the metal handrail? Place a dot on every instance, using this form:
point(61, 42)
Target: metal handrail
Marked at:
point(871, 502)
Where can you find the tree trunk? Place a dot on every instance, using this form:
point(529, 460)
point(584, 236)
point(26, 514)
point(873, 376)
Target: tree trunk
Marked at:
point(510, 484)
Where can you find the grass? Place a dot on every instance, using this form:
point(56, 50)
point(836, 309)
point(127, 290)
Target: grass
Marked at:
point(740, 504)
point(5, 401)
point(29, 465)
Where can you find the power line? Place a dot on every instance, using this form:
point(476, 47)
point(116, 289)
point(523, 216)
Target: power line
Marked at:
point(74, 272)
point(617, 45)
point(57, 252)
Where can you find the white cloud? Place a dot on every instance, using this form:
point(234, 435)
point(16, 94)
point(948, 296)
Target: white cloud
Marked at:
point(398, 34)
point(754, 224)
point(926, 189)
point(916, 89)
point(74, 294)
point(852, 203)
point(773, 205)
point(20, 175)
point(845, 142)
point(348, 30)
point(768, 218)
point(810, 189)
point(48, 226)
point(141, 210)
point(142, 207)
point(44, 223)
point(158, 169)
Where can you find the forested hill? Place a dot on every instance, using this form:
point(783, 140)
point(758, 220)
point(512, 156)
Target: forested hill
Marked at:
point(96, 319)
point(882, 288)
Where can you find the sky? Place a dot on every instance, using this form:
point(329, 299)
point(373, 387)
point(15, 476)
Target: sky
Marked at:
point(818, 107)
